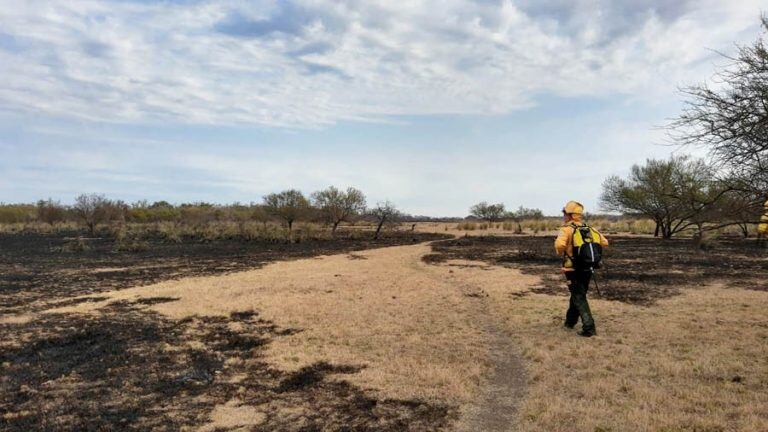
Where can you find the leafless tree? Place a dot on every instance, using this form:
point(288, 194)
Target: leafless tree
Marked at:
point(740, 209)
point(384, 213)
point(289, 205)
point(338, 206)
point(92, 209)
point(731, 120)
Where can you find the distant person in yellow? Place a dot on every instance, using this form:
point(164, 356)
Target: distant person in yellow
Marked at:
point(581, 247)
point(762, 229)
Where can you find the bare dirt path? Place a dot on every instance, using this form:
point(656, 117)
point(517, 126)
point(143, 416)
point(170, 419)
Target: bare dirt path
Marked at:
point(495, 410)
point(419, 331)
point(496, 406)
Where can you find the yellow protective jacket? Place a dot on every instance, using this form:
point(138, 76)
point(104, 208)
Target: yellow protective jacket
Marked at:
point(763, 227)
point(564, 241)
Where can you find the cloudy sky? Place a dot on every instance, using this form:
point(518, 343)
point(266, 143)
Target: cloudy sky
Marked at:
point(435, 105)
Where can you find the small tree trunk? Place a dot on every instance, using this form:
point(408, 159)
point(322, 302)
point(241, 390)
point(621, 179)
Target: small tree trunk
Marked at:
point(378, 229)
point(698, 238)
point(668, 233)
point(744, 230)
point(656, 231)
point(666, 229)
point(335, 225)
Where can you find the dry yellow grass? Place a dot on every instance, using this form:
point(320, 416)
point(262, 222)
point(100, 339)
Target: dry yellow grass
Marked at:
point(496, 229)
point(234, 415)
point(695, 362)
point(416, 334)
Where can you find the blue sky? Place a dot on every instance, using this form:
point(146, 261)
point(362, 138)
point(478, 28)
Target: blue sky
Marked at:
point(433, 105)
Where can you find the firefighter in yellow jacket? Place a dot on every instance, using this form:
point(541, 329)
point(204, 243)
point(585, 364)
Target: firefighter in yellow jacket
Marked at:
point(581, 249)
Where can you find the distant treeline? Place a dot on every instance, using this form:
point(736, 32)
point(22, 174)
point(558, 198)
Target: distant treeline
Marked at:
point(329, 207)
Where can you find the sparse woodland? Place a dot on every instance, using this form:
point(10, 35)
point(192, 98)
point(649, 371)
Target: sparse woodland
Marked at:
point(729, 187)
point(287, 215)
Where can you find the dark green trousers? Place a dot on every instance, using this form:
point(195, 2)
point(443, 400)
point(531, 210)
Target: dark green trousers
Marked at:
point(578, 285)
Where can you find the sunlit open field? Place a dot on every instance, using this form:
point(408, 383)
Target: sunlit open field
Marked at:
point(384, 216)
point(413, 333)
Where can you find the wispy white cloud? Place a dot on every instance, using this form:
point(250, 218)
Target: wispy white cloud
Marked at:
point(309, 63)
point(228, 100)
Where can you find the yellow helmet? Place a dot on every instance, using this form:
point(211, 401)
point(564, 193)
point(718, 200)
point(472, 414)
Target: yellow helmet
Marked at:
point(573, 207)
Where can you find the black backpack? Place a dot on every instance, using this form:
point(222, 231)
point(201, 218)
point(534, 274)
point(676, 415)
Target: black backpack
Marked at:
point(587, 250)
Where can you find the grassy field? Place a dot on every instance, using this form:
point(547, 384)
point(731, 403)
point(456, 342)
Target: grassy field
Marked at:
point(681, 343)
point(350, 334)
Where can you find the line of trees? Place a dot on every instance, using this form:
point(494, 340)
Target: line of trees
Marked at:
point(330, 206)
point(729, 188)
point(497, 212)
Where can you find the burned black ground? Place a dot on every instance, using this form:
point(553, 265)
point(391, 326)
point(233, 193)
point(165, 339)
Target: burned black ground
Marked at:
point(36, 269)
point(127, 368)
point(636, 270)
